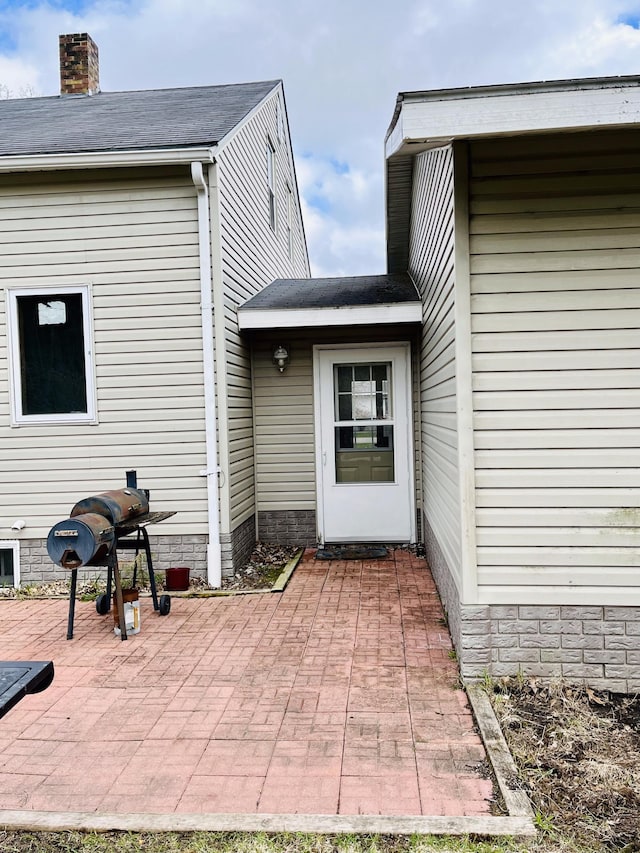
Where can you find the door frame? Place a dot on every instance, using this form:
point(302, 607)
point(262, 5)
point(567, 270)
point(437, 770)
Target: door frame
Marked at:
point(346, 348)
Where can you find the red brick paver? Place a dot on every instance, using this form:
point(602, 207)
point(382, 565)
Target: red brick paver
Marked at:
point(338, 696)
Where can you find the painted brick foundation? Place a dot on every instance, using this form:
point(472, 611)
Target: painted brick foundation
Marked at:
point(444, 581)
point(288, 527)
point(166, 551)
point(191, 551)
point(598, 646)
point(238, 545)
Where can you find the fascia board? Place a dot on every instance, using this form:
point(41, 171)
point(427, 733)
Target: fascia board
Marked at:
point(291, 318)
point(395, 140)
point(106, 159)
point(430, 122)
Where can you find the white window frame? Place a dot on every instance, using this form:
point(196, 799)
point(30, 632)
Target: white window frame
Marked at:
point(13, 545)
point(271, 182)
point(18, 418)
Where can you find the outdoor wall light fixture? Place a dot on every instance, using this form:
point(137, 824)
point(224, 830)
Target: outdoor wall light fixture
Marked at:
point(281, 358)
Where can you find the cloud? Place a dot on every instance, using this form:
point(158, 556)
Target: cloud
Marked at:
point(337, 200)
point(342, 65)
point(18, 77)
point(599, 45)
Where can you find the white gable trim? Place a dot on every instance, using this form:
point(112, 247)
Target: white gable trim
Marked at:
point(291, 318)
point(235, 130)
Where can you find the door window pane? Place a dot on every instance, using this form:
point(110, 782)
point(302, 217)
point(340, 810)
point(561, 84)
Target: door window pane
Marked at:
point(362, 392)
point(364, 454)
point(364, 450)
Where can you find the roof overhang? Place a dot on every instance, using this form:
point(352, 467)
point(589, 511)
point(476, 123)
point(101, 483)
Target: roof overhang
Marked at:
point(431, 119)
point(360, 315)
point(106, 159)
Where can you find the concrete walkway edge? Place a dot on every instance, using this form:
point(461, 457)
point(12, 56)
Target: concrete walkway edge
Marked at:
point(331, 824)
point(516, 801)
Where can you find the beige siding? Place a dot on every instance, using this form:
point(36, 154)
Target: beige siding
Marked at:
point(284, 412)
point(555, 251)
point(132, 236)
point(253, 255)
point(431, 264)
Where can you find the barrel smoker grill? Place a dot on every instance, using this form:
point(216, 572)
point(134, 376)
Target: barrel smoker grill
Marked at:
point(96, 529)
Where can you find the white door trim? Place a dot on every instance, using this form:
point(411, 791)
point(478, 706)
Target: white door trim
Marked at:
point(346, 348)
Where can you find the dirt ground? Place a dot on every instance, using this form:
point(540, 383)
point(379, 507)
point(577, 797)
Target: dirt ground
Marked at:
point(578, 753)
point(263, 567)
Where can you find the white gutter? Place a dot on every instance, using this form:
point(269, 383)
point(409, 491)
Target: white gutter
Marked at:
point(214, 550)
point(104, 159)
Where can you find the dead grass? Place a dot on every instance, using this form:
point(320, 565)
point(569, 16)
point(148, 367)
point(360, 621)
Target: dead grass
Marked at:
point(578, 752)
point(242, 842)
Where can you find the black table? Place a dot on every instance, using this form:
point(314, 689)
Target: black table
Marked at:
point(17, 678)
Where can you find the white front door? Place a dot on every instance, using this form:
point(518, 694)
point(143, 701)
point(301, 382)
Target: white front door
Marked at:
point(364, 444)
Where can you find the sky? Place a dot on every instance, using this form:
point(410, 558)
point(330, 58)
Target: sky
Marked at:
point(343, 63)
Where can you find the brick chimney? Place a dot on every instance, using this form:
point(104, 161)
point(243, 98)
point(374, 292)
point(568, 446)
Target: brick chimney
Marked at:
point(79, 67)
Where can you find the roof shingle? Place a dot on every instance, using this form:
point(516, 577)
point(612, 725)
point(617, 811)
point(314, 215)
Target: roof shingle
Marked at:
point(123, 121)
point(342, 292)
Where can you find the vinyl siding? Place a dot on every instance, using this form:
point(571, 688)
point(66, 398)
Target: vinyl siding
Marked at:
point(555, 251)
point(252, 255)
point(431, 264)
point(284, 413)
point(132, 236)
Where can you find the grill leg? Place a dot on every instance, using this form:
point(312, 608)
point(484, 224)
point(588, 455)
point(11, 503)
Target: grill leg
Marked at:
point(122, 622)
point(152, 577)
point(72, 603)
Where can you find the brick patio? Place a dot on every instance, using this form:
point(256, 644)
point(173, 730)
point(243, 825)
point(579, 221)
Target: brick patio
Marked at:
point(339, 696)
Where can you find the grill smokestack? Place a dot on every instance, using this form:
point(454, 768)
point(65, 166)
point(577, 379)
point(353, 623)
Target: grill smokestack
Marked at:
point(79, 66)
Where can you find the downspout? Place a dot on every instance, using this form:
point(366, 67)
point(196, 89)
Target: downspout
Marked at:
point(214, 550)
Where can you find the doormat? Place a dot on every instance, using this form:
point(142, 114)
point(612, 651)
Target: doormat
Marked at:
point(352, 552)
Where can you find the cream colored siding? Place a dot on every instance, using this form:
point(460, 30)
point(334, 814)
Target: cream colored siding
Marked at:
point(285, 442)
point(555, 251)
point(284, 413)
point(131, 236)
point(252, 255)
point(431, 264)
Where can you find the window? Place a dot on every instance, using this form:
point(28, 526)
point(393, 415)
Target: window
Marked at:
point(9, 563)
point(52, 371)
point(271, 183)
point(289, 222)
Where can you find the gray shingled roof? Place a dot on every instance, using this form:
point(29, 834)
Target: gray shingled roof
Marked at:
point(122, 121)
point(334, 292)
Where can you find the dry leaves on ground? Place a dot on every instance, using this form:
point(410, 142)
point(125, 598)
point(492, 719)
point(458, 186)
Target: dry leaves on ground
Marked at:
point(578, 751)
point(261, 571)
point(263, 568)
